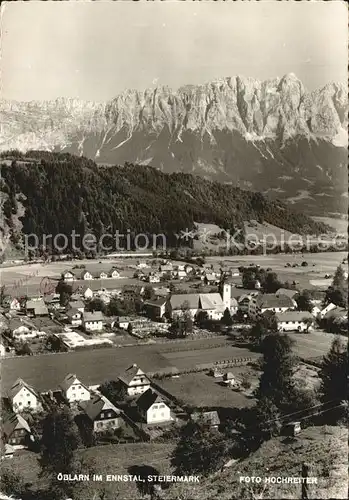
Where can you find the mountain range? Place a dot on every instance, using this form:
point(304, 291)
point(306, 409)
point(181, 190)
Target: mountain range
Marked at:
point(272, 136)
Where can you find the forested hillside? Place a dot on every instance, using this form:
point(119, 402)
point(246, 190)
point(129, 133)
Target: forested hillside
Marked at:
point(61, 193)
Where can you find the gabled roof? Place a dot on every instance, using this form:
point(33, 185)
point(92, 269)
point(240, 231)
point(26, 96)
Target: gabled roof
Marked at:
point(267, 300)
point(96, 404)
point(66, 271)
point(147, 399)
point(13, 423)
point(34, 304)
point(93, 316)
point(76, 304)
point(70, 380)
point(293, 316)
point(211, 301)
point(190, 299)
point(130, 373)
point(72, 312)
point(155, 303)
point(18, 386)
point(287, 291)
point(209, 417)
point(211, 277)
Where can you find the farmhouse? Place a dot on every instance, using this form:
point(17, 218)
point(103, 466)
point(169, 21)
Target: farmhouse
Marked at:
point(92, 321)
point(73, 390)
point(291, 321)
point(152, 408)
point(135, 381)
point(153, 278)
point(22, 396)
point(269, 302)
point(122, 322)
point(155, 309)
point(68, 275)
point(35, 308)
point(113, 273)
point(287, 291)
point(327, 309)
point(77, 304)
point(74, 317)
point(210, 418)
point(16, 431)
point(86, 275)
point(101, 413)
point(132, 292)
point(87, 292)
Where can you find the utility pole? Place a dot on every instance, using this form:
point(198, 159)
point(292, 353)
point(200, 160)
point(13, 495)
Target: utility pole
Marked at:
point(305, 485)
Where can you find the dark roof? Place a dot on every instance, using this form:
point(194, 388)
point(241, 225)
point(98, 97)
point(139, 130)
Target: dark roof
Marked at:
point(13, 423)
point(272, 300)
point(93, 316)
point(72, 312)
point(96, 404)
point(76, 304)
point(147, 399)
point(287, 291)
point(18, 385)
point(209, 417)
point(155, 303)
point(130, 373)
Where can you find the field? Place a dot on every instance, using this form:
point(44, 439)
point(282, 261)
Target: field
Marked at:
point(47, 371)
point(108, 459)
point(314, 344)
point(319, 264)
point(202, 390)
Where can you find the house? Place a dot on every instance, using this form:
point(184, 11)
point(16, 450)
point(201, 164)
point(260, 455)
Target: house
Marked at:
point(135, 381)
point(122, 322)
point(68, 275)
point(180, 275)
point(16, 431)
point(74, 317)
point(152, 408)
point(213, 303)
point(166, 269)
point(132, 292)
point(101, 413)
point(142, 264)
point(327, 309)
point(287, 291)
point(244, 303)
point(230, 379)
point(234, 306)
point(22, 397)
point(73, 390)
point(15, 304)
point(155, 309)
point(269, 302)
point(86, 275)
point(92, 321)
point(210, 418)
point(7, 451)
point(35, 308)
point(77, 304)
point(113, 273)
point(294, 321)
point(188, 268)
point(87, 292)
point(52, 299)
point(210, 279)
point(153, 278)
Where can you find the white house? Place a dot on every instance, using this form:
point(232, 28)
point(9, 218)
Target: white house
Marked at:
point(152, 408)
point(114, 273)
point(180, 274)
point(153, 278)
point(259, 304)
point(73, 390)
point(86, 275)
point(122, 322)
point(74, 316)
point(294, 321)
point(327, 309)
point(92, 321)
point(87, 292)
point(2, 349)
point(135, 381)
point(22, 397)
point(15, 305)
point(68, 276)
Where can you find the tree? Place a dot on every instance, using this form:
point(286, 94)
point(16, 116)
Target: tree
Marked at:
point(202, 319)
point(11, 483)
point(334, 372)
point(113, 390)
point(339, 279)
point(55, 344)
point(130, 328)
point(65, 292)
point(338, 291)
point(308, 322)
point(227, 319)
point(60, 440)
point(96, 304)
point(304, 302)
point(200, 450)
point(265, 325)
point(276, 381)
point(271, 283)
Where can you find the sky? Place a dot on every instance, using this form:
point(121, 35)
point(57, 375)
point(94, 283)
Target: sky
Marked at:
point(95, 50)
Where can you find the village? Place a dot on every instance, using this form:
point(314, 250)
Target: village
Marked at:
point(189, 336)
